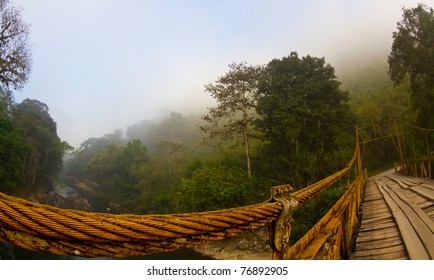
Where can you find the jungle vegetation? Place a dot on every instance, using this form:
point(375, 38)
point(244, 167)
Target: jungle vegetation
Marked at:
point(290, 121)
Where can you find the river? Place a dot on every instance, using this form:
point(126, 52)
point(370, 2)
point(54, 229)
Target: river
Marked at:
point(69, 189)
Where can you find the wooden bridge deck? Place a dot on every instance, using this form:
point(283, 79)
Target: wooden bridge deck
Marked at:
point(397, 219)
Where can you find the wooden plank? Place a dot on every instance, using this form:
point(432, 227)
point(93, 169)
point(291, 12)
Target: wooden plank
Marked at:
point(418, 216)
point(379, 236)
point(379, 243)
point(377, 219)
point(314, 247)
point(390, 256)
point(416, 200)
point(377, 216)
point(376, 226)
point(425, 204)
point(374, 205)
point(403, 258)
point(376, 211)
point(410, 194)
point(373, 197)
point(379, 231)
point(402, 183)
point(429, 211)
point(428, 185)
point(425, 192)
point(414, 246)
point(381, 251)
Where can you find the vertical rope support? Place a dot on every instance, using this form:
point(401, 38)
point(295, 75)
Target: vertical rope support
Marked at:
point(412, 141)
point(358, 154)
point(280, 230)
point(429, 168)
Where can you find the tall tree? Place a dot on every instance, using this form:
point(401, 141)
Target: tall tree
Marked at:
point(39, 131)
point(6, 102)
point(235, 93)
point(305, 119)
point(412, 58)
point(12, 155)
point(15, 51)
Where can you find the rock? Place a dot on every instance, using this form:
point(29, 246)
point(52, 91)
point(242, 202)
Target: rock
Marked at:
point(250, 245)
point(73, 201)
point(243, 244)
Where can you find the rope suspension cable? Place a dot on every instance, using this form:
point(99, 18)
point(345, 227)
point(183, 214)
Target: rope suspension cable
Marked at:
point(421, 128)
point(60, 231)
point(71, 232)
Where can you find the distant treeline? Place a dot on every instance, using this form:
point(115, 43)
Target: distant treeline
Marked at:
point(172, 165)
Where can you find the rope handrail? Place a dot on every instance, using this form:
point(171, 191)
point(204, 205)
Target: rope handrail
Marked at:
point(61, 231)
point(421, 128)
point(72, 232)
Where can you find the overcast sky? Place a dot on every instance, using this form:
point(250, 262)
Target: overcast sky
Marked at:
point(101, 65)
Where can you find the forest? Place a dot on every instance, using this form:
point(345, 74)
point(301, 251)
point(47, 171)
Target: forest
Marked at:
point(290, 121)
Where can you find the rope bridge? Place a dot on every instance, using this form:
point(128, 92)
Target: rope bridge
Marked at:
point(60, 231)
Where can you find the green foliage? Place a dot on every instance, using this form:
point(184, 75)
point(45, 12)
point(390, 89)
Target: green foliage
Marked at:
point(376, 101)
point(213, 188)
point(12, 155)
point(75, 165)
point(116, 169)
point(236, 95)
point(6, 102)
point(412, 58)
point(373, 97)
point(306, 216)
point(304, 117)
point(39, 132)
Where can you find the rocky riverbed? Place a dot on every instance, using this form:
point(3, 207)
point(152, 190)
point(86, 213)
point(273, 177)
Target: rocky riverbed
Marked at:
point(250, 245)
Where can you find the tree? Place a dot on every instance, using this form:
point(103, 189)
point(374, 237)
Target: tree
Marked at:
point(214, 188)
point(376, 102)
point(305, 119)
point(117, 169)
point(15, 51)
point(39, 131)
point(412, 58)
point(12, 155)
point(6, 102)
point(235, 93)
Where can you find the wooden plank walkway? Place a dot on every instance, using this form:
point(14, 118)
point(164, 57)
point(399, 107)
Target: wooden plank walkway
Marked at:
point(397, 219)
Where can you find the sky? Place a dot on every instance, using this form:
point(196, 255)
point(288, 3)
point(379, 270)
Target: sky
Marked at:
point(102, 65)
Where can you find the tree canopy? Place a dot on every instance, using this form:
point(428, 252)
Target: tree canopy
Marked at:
point(304, 117)
point(15, 50)
point(235, 93)
point(412, 58)
point(39, 132)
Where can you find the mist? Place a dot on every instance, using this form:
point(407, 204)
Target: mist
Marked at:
point(106, 65)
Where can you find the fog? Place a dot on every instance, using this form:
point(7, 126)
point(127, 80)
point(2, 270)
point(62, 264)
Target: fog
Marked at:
point(102, 65)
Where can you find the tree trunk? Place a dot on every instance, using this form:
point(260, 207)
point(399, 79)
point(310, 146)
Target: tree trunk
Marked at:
point(246, 142)
point(246, 146)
